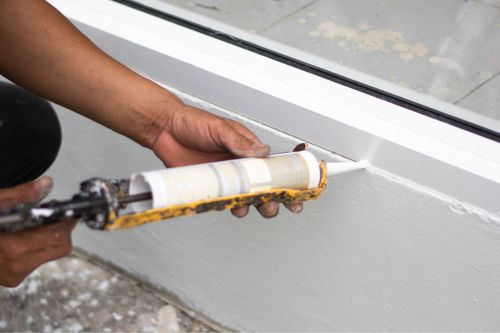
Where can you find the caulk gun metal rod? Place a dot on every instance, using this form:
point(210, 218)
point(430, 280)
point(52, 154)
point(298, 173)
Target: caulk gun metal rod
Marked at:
point(135, 198)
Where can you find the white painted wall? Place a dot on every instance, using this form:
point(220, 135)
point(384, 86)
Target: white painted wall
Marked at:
point(373, 253)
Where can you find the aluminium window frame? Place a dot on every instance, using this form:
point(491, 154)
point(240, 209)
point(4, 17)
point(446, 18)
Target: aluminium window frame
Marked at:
point(336, 117)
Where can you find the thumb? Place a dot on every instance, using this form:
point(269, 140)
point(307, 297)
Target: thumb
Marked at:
point(240, 144)
point(24, 193)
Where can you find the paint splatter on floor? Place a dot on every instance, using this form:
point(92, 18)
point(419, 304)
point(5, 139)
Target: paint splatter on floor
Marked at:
point(74, 295)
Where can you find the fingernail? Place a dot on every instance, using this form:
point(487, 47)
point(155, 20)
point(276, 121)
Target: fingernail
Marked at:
point(261, 148)
point(297, 208)
point(260, 145)
point(43, 186)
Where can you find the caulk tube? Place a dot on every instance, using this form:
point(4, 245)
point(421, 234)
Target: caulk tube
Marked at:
point(181, 185)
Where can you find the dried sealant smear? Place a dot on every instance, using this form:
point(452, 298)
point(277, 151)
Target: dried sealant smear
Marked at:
point(368, 39)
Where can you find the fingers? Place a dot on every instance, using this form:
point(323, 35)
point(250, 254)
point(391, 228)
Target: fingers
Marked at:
point(268, 210)
point(240, 212)
point(48, 254)
point(238, 143)
point(174, 154)
point(295, 207)
point(54, 235)
point(193, 136)
point(13, 275)
point(243, 130)
point(29, 192)
point(36, 239)
point(22, 252)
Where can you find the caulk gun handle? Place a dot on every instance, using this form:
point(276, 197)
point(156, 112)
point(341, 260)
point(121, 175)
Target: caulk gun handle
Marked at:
point(84, 209)
point(18, 218)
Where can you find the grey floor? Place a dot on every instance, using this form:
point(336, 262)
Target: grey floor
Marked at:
point(75, 295)
point(449, 49)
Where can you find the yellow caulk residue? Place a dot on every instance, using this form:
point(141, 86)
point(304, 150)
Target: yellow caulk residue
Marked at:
point(401, 47)
point(364, 26)
point(485, 75)
point(369, 39)
point(407, 56)
point(420, 49)
point(435, 60)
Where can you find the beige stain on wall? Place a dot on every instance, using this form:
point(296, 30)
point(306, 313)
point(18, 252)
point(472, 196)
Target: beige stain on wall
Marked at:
point(370, 40)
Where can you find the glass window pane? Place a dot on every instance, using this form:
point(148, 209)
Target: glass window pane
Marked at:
point(430, 51)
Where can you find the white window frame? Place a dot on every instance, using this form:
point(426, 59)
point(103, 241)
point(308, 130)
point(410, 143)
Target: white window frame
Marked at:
point(343, 120)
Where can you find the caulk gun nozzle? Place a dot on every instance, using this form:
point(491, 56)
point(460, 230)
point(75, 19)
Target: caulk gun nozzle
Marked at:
point(336, 168)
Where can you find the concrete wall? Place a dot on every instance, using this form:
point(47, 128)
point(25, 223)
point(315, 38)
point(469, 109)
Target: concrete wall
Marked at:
point(375, 252)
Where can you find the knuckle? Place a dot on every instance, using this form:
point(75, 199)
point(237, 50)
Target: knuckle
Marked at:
point(295, 207)
point(11, 282)
point(66, 250)
point(219, 122)
point(240, 127)
point(241, 138)
point(240, 212)
point(18, 269)
point(26, 192)
point(269, 214)
point(232, 122)
point(16, 253)
point(269, 211)
point(12, 250)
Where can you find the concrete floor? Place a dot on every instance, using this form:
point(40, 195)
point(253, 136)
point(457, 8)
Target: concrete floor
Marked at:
point(76, 295)
point(445, 48)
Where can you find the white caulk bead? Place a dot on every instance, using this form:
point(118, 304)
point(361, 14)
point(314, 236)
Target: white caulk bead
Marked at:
point(343, 167)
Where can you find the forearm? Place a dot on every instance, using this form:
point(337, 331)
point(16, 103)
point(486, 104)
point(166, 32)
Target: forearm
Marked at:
point(43, 52)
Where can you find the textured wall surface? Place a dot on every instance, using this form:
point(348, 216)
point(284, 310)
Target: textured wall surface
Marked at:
point(374, 253)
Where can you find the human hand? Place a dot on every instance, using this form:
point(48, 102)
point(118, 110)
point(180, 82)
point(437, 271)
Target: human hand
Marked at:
point(23, 251)
point(192, 136)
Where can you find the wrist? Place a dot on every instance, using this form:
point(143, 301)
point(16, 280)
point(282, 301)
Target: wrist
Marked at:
point(156, 115)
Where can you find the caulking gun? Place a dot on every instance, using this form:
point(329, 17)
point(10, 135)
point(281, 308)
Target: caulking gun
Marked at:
point(159, 195)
